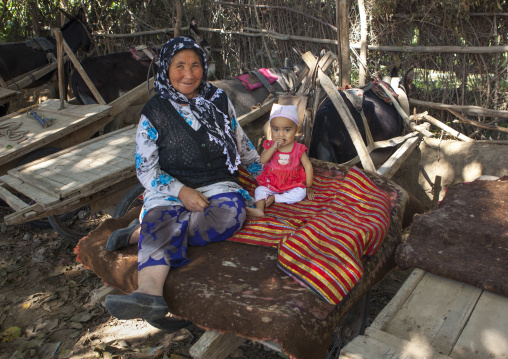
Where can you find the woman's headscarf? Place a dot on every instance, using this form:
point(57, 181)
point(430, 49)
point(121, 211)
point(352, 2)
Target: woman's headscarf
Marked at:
point(202, 106)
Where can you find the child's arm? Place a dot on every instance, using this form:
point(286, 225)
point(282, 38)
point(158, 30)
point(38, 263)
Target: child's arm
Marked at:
point(309, 175)
point(268, 153)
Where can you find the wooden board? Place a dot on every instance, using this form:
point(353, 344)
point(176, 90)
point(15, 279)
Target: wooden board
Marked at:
point(68, 176)
point(6, 95)
point(485, 334)
point(435, 317)
point(71, 119)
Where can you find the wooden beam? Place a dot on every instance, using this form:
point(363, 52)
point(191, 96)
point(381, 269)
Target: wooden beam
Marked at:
point(447, 128)
point(215, 345)
point(391, 166)
point(255, 114)
point(25, 80)
point(80, 69)
point(137, 93)
point(61, 73)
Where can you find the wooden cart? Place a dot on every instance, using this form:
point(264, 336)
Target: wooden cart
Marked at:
point(439, 318)
point(72, 125)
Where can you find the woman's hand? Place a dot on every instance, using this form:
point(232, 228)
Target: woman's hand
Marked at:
point(193, 200)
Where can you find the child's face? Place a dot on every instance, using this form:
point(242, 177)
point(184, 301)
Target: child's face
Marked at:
point(283, 130)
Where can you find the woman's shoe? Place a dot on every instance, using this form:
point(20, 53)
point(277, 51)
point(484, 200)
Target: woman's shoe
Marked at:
point(137, 305)
point(120, 237)
point(169, 324)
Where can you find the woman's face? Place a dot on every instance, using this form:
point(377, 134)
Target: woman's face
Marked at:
point(186, 72)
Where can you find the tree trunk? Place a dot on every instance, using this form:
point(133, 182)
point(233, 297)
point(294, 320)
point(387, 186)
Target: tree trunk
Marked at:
point(363, 42)
point(64, 4)
point(35, 18)
point(178, 21)
point(342, 17)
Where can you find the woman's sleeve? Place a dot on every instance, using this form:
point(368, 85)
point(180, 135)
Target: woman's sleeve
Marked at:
point(148, 169)
point(249, 157)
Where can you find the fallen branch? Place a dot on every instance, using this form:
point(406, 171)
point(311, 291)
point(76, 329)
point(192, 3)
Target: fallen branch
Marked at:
point(477, 124)
point(446, 128)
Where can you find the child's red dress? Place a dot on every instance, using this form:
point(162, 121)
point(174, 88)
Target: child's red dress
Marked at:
point(284, 171)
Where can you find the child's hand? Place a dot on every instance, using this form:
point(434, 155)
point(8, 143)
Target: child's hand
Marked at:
point(278, 143)
point(310, 193)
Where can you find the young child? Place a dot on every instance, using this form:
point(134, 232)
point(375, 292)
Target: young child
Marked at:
point(287, 171)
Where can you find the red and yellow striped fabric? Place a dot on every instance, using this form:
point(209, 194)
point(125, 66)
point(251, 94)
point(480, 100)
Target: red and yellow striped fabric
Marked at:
point(321, 242)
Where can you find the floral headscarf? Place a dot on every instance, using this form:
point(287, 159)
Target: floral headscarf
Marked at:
point(202, 106)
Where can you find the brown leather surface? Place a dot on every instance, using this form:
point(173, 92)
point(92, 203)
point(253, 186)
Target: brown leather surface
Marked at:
point(466, 238)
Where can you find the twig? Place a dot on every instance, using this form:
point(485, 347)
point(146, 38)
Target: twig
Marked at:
point(276, 7)
point(477, 124)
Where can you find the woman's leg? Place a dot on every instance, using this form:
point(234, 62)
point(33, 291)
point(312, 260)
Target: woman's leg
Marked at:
point(220, 220)
point(163, 242)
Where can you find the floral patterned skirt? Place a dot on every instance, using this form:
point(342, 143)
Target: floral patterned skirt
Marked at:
point(167, 231)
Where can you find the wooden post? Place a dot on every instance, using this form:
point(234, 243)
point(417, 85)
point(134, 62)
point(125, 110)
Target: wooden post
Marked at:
point(80, 69)
point(215, 345)
point(60, 61)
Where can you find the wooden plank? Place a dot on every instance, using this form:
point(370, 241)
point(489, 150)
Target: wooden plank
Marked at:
point(485, 334)
point(61, 206)
point(388, 312)
point(62, 175)
point(40, 197)
point(255, 114)
point(58, 207)
point(435, 307)
point(128, 131)
point(13, 201)
point(215, 345)
point(391, 166)
point(376, 344)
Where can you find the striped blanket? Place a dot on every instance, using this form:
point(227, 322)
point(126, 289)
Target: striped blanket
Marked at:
point(321, 242)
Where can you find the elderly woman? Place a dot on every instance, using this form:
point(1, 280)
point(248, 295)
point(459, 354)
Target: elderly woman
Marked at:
point(188, 148)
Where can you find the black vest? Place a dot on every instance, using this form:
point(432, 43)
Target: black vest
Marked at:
point(184, 153)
